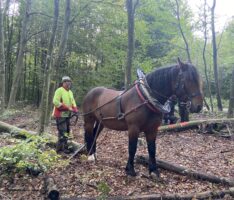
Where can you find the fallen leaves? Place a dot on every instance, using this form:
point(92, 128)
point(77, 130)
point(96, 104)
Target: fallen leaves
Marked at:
point(81, 178)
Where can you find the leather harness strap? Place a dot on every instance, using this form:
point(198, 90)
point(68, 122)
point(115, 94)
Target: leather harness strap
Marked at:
point(145, 100)
point(120, 114)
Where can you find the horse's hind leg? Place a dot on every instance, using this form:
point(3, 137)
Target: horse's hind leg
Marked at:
point(151, 144)
point(92, 131)
point(88, 127)
point(133, 134)
point(97, 129)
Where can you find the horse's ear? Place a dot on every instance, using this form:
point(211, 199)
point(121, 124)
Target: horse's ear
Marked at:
point(181, 65)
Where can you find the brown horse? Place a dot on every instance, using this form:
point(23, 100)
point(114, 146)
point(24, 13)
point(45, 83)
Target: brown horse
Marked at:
point(134, 109)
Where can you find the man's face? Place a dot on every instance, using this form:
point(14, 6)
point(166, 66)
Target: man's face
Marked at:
point(67, 84)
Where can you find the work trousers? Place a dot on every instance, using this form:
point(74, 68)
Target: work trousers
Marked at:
point(63, 126)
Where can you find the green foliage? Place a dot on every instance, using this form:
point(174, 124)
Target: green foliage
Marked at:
point(28, 156)
point(97, 43)
point(104, 191)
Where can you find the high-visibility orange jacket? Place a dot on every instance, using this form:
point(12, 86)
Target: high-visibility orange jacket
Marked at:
point(63, 102)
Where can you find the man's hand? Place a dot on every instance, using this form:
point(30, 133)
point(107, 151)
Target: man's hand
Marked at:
point(74, 109)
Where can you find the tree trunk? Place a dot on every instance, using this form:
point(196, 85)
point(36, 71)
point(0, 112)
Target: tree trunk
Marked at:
point(9, 65)
point(63, 39)
point(181, 31)
point(59, 57)
point(131, 6)
point(48, 70)
point(204, 55)
point(186, 172)
point(193, 196)
point(19, 64)
point(2, 62)
point(24, 134)
point(231, 100)
point(193, 124)
point(215, 63)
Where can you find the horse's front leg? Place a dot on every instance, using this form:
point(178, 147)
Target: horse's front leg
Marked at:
point(151, 144)
point(133, 134)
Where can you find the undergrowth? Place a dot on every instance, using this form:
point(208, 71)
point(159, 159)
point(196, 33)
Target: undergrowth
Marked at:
point(30, 156)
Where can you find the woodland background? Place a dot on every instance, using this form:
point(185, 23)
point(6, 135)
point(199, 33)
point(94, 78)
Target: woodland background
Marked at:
point(102, 42)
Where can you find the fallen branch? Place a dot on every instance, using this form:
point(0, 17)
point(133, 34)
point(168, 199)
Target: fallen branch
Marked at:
point(186, 172)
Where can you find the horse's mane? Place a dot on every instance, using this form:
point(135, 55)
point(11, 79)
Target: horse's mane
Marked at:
point(193, 75)
point(160, 79)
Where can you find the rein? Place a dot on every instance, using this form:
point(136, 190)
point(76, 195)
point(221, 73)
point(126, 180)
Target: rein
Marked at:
point(83, 114)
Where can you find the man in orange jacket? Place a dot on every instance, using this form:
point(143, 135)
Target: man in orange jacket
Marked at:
point(64, 104)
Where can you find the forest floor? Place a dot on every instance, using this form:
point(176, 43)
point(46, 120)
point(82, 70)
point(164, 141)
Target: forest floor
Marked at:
point(202, 152)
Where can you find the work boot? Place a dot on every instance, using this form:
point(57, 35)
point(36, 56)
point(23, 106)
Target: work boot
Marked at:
point(61, 144)
point(59, 147)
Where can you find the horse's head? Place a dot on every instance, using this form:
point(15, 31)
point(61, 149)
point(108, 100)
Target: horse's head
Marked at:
point(187, 86)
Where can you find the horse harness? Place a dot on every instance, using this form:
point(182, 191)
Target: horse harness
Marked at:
point(146, 95)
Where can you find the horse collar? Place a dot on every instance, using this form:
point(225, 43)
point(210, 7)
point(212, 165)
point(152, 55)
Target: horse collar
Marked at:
point(144, 93)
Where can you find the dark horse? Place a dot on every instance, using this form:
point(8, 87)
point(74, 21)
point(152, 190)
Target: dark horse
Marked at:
point(134, 109)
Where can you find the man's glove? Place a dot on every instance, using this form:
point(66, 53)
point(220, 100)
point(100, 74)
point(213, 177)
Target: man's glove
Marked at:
point(75, 109)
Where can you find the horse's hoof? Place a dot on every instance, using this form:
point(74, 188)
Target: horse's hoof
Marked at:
point(131, 172)
point(92, 157)
point(155, 175)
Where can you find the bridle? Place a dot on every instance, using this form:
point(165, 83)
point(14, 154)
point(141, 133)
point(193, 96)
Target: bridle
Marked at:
point(182, 93)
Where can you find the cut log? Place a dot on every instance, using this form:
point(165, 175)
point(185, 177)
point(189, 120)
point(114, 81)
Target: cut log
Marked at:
point(202, 195)
point(4, 127)
point(24, 134)
point(51, 189)
point(186, 172)
point(193, 124)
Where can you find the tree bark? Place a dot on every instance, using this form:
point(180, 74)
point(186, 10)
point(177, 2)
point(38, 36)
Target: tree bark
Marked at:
point(64, 37)
point(202, 195)
point(231, 100)
point(4, 127)
point(131, 7)
point(48, 71)
point(60, 56)
point(181, 31)
point(186, 172)
point(204, 54)
point(51, 189)
point(24, 134)
point(192, 124)
point(2, 62)
point(19, 64)
point(9, 58)
point(215, 62)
